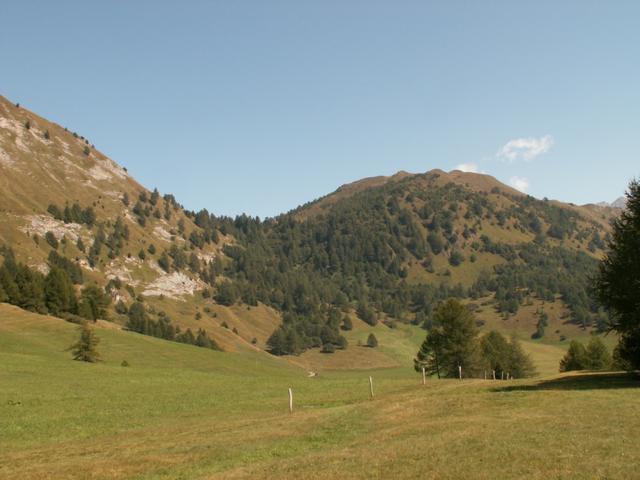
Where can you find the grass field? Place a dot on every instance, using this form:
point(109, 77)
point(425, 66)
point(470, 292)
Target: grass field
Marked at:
point(179, 412)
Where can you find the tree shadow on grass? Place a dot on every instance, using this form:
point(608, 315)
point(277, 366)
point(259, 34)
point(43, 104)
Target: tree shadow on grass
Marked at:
point(581, 381)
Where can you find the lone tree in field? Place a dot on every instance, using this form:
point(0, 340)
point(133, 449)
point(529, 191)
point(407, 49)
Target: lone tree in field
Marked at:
point(617, 286)
point(372, 341)
point(451, 343)
point(84, 349)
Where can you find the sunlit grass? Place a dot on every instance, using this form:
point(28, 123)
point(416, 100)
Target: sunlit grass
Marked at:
point(182, 412)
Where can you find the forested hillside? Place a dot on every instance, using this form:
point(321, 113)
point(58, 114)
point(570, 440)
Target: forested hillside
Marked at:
point(394, 250)
point(81, 238)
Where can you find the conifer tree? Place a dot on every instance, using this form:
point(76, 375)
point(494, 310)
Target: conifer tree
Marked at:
point(93, 303)
point(520, 365)
point(85, 349)
point(430, 353)
point(59, 293)
point(496, 352)
point(575, 358)
point(137, 318)
point(453, 341)
point(372, 341)
point(598, 357)
point(617, 287)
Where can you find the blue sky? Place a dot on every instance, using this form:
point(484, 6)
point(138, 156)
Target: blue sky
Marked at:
point(259, 106)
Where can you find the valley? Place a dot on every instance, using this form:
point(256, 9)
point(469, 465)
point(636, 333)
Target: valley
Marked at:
point(178, 411)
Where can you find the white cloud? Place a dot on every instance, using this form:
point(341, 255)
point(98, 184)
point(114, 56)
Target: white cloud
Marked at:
point(525, 148)
point(519, 183)
point(467, 167)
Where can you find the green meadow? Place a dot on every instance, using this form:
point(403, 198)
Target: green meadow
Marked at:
point(181, 412)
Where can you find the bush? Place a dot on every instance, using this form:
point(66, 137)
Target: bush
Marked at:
point(328, 348)
point(367, 314)
point(51, 240)
point(372, 341)
point(456, 258)
point(346, 323)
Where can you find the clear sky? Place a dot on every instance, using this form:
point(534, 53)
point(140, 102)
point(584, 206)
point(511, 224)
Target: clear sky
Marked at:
point(259, 106)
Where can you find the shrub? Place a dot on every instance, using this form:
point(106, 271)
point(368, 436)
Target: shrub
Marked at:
point(51, 240)
point(328, 348)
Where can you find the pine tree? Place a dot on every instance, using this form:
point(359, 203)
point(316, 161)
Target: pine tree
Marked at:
point(203, 340)
point(328, 348)
point(137, 318)
point(277, 342)
point(227, 293)
point(93, 303)
point(453, 340)
point(617, 287)
point(164, 263)
point(430, 353)
point(372, 341)
point(51, 240)
point(575, 358)
point(9, 286)
point(520, 365)
point(598, 357)
point(496, 352)
point(155, 195)
point(85, 349)
point(59, 293)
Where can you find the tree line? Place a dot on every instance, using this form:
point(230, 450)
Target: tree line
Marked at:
point(453, 342)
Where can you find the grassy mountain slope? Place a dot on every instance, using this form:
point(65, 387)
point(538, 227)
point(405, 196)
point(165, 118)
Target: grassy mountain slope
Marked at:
point(385, 248)
point(44, 164)
point(184, 412)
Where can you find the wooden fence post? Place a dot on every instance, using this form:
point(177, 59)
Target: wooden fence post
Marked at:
point(424, 376)
point(371, 386)
point(290, 401)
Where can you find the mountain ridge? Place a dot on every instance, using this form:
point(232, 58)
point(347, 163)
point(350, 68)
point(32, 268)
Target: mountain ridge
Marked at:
point(370, 249)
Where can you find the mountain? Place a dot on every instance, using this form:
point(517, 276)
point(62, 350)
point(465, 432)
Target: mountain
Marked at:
point(620, 202)
point(50, 176)
point(383, 250)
